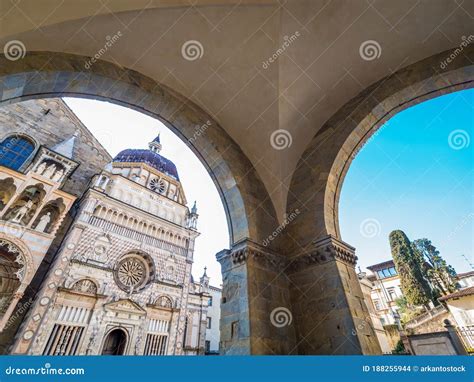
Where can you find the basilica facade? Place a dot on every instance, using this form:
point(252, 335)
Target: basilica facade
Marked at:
point(97, 252)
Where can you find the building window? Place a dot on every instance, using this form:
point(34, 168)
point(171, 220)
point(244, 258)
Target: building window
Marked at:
point(234, 329)
point(382, 321)
point(15, 150)
point(210, 301)
point(208, 346)
point(209, 320)
point(391, 294)
point(64, 340)
point(377, 304)
point(155, 344)
point(387, 272)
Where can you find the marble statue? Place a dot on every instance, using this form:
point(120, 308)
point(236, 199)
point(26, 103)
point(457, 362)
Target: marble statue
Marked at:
point(43, 223)
point(50, 171)
point(22, 212)
point(58, 175)
point(41, 168)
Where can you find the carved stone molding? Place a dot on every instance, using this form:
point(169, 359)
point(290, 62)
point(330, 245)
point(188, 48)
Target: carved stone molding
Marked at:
point(323, 250)
point(248, 251)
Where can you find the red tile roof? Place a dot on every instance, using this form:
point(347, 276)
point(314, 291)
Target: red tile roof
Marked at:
point(460, 293)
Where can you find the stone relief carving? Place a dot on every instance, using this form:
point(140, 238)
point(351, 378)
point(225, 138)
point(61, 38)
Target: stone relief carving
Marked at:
point(85, 286)
point(99, 251)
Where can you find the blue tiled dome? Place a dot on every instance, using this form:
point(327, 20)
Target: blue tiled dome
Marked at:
point(150, 158)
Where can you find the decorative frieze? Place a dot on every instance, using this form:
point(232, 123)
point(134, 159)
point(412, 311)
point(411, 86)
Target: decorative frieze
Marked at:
point(321, 251)
point(249, 251)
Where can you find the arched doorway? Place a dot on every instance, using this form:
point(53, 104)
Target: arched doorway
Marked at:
point(115, 342)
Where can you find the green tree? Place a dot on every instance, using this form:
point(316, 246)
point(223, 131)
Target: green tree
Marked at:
point(435, 268)
point(409, 267)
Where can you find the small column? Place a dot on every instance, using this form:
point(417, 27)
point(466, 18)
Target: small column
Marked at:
point(330, 313)
point(255, 308)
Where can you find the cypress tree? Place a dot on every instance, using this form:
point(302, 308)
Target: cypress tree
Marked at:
point(414, 286)
point(441, 274)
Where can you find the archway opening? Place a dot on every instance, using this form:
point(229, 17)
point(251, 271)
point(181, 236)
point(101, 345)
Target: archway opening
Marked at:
point(414, 173)
point(115, 343)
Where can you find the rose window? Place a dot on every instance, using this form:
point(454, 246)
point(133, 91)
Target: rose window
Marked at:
point(157, 185)
point(131, 273)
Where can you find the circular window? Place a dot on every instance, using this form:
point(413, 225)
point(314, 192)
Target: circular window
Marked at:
point(132, 273)
point(158, 185)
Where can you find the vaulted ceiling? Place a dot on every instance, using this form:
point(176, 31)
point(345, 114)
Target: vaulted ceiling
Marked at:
point(260, 65)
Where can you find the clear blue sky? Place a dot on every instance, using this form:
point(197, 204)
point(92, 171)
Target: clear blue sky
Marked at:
point(415, 174)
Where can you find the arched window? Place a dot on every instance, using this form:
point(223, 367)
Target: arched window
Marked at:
point(15, 150)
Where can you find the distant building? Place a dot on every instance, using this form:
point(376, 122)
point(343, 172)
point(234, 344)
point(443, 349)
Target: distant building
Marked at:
point(366, 286)
point(385, 291)
point(213, 318)
point(465, 280)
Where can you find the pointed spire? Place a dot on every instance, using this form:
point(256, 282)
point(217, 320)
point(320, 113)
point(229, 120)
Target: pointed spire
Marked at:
point(66, 147)
point(205, 272)
point(194, 209)
point(155, 144)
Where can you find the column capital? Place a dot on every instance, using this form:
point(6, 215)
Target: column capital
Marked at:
point(247, 251)
point(323, 250)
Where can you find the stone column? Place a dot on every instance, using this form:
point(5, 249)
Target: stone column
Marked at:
point(330, 314)
point(255, 292)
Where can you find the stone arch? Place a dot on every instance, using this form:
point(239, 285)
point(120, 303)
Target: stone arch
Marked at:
point(85, 285)
point(53, 74)
point(17, 272)
point(117, 346)
point(164, 301)
point(317, 181)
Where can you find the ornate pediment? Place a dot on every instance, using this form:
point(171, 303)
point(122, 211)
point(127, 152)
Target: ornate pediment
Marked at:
point(125, 305)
